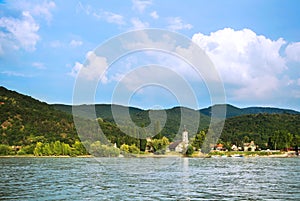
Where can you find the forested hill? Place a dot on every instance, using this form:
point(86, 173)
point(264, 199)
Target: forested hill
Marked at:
point(104, 111)
point(263, 129)
point(24, 120)
point(141, 117)
point(232, 111)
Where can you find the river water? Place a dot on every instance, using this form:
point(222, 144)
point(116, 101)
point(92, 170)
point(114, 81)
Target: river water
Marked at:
point(150, 179)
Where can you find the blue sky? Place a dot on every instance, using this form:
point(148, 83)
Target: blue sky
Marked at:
point(254, 45)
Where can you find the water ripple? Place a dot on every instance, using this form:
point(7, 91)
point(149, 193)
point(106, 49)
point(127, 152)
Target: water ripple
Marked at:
point(149, 179)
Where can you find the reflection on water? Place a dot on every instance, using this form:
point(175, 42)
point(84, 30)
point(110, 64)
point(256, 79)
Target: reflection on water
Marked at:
point(149, 179)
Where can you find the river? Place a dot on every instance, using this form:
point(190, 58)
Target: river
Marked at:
point(150, 179)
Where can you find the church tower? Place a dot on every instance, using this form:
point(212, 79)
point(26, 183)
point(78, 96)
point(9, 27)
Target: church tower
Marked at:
point(185, 136)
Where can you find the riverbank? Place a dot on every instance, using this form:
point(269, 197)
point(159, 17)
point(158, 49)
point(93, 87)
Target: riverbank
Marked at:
point(265, 154)
point(177, 155)
point(33, 156)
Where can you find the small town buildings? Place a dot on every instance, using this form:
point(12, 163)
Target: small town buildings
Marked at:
point(234, 148)
point(249, 146)
point(219, 147)
point(176, 146)
point(180, 145)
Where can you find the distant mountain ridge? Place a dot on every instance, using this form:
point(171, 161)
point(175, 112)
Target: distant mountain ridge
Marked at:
point(233, 111)
point(103, 110)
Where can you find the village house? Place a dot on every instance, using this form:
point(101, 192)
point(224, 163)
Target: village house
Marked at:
point(249, 146)
point(219, 147)
point(180, 145)
point(234, 148)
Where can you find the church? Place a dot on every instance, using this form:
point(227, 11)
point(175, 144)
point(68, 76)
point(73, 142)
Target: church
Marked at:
point(180, 146)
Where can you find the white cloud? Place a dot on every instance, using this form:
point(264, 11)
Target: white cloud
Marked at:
point(15, 74)
point(114, 18)
point(298, 81)
point(249, 62)
point(293, 52)
point(110, 17)
point(75, 43)
point(154, 15)
point(261, 87)
point(87, 9)
point(140, 5)
point(38, 65)
point(176, 23)
point(42, 9)
point(20, 32)
point(138, 24)
point(94, 68)
point(76, 68)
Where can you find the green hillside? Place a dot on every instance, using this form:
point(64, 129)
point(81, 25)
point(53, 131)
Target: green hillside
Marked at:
point(25, 121)
point(264, 129)
point(232, 111)
point(141, 117)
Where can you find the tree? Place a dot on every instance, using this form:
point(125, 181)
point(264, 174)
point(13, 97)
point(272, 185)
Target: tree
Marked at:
point(157, 129)
point(296, 140)
point(281, 139)
point(134, 149)
point(189, 150)
point(288, 138)
point(57, 148)
point(38, 149)
point(246, 139)
point(275, 139)
point(79, 148)
point(102, 150)
point(5, 149)
point(198, 140)
point(159, 145)
point(130, 149)
point(47, 150)
point(124, 148)
point(66, 149)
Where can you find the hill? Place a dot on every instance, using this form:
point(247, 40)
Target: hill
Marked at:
point(264, 129)
point(232, 111)
point(141, 117)
point(242, 124)
point(26, 121)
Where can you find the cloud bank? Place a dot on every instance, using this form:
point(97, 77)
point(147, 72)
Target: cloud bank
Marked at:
point(250, 64)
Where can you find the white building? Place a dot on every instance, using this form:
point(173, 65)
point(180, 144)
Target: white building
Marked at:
point(180, 145)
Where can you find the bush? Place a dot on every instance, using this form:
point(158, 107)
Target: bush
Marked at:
point(5, 150)
point(189, 150)
point(101, 150)
point(21, 152)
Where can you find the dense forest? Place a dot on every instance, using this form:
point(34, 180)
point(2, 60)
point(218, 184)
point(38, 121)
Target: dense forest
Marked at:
point(263, 129)
point(43, 129)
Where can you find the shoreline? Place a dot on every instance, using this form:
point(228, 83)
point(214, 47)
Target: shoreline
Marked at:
point(172, 155)
point(33, 156)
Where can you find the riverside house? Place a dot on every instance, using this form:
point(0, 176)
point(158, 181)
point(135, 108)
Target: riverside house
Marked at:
point(249, 146)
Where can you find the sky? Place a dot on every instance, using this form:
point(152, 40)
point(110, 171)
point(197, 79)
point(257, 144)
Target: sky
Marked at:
point(253, 45)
